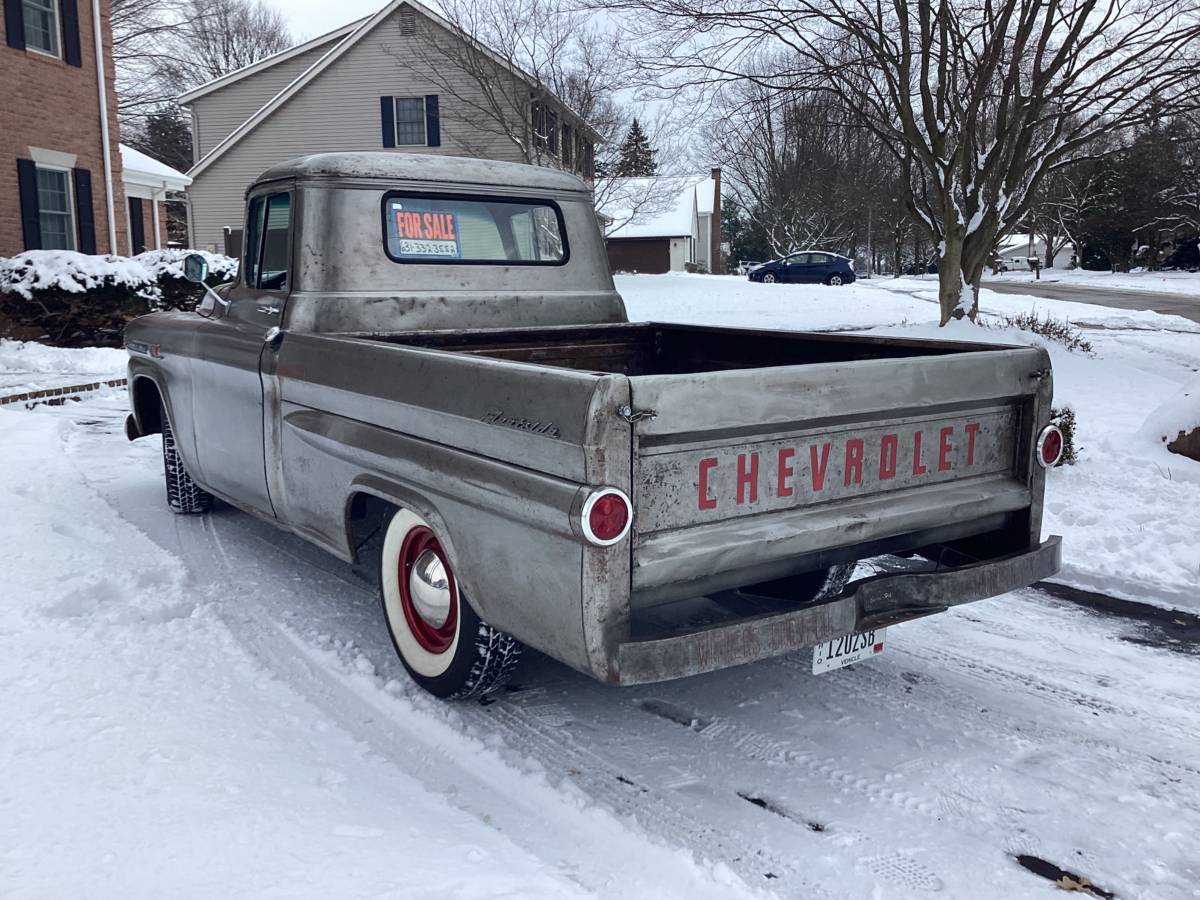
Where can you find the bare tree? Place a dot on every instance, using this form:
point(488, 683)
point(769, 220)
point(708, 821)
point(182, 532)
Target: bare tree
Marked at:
point(781, 158)
point(512, 67)
point(521, 70)
point(977, 102)
point(163, 47)
point(144, 37)
point(216, 37)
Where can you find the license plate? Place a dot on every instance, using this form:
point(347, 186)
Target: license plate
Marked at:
point(847, 649)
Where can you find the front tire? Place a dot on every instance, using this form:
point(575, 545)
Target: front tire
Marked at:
point(446, 648)
point(769, 278)
point(184, 496)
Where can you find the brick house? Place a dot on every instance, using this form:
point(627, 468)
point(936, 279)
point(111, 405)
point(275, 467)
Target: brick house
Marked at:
point(60, 164)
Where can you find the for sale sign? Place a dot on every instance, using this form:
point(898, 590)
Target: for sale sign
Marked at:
point(418, 231)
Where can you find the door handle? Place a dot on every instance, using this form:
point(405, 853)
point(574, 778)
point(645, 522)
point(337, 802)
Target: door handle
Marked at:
point(269, 310)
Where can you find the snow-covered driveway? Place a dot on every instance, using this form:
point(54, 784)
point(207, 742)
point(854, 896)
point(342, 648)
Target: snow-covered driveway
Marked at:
point(206, 706)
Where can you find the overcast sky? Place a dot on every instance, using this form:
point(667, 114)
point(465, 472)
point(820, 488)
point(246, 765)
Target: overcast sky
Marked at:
point(309, 18)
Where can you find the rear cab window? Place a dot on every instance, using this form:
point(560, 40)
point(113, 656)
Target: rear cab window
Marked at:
point(421, 227)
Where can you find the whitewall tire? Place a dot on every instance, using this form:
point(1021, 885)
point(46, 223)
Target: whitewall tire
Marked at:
point(440, 639)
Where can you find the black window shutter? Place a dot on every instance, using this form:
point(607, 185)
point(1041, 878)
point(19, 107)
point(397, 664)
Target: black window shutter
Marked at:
point(70, 32)
point(433, 123)
point(27, 182)
point(137, 225)
point(83, 211)
point(387, 114)
point(14, 24)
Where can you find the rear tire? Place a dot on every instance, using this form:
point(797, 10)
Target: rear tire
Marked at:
point(835, 280)
point(184, 496)
point(440, 639)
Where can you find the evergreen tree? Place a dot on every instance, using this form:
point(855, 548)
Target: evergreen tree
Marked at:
point(635, 156)
point(165, 136)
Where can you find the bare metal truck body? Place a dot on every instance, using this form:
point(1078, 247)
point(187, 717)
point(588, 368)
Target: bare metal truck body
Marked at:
point(493, 393)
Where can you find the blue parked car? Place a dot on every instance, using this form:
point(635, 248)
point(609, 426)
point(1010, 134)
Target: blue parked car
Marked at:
point(806, 267)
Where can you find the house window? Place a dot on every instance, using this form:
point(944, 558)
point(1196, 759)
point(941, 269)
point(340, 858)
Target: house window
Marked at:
point(410, 121)
point(41, 25)
point(56, 223)
point(568, 147)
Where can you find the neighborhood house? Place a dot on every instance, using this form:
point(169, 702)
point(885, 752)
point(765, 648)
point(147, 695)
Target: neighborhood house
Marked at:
point(402, 79)
point(663, 223)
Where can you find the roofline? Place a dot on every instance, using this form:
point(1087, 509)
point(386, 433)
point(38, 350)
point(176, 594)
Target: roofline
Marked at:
point(265, 63)
point(361, 28)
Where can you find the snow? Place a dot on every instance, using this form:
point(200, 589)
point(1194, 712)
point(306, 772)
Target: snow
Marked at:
point(146, 170)
point(28, 366)
point(207, 706)
point(67, 270)
point(148, 749)
point(1180, 414)
point(657, 206)
point(1138, 543)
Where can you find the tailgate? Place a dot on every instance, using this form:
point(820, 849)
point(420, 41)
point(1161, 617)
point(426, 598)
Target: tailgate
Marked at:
point(739, 472)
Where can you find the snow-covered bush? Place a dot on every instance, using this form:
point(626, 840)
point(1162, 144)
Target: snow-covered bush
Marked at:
point(1052, 329)
point(176, 292)
point(1176, 423)
point(72, 299)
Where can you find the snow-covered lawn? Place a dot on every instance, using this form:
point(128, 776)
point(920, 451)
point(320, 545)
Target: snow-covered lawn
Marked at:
point(1143, 280)
point(27, 366)
point(1129, 511)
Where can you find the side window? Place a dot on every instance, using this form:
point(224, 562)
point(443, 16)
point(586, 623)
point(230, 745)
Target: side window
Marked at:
point(274, 274)
point(253, 242)
point(267, 243)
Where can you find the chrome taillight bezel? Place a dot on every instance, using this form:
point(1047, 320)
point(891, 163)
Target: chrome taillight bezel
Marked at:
point(1041, 444)
point(585, 524)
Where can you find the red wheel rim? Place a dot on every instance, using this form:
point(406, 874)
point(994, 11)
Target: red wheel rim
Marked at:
point(430, 639)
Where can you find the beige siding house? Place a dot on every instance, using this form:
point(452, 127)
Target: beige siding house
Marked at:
point(400, 79)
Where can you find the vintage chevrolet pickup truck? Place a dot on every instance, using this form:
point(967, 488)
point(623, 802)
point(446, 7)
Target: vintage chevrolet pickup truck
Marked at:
point(424, 368)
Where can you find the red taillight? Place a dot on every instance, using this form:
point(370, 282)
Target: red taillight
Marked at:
point(607, 515)
point(1050, 446)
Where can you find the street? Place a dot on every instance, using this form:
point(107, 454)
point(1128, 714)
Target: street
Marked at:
point(1185, 305)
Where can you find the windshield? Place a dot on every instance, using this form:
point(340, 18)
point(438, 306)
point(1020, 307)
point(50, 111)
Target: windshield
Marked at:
point(421, 227)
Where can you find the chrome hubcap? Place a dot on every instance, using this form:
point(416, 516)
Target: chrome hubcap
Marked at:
point(429, 587)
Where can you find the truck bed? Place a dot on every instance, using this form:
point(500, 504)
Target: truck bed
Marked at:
point(640, 349)
point(758, 454)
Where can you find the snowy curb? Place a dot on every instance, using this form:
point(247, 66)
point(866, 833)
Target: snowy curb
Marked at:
point(56, 396)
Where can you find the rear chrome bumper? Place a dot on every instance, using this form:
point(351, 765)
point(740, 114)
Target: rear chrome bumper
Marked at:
point(871, 603)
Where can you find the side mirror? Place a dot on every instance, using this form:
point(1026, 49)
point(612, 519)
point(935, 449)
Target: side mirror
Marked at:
point(195, 268)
